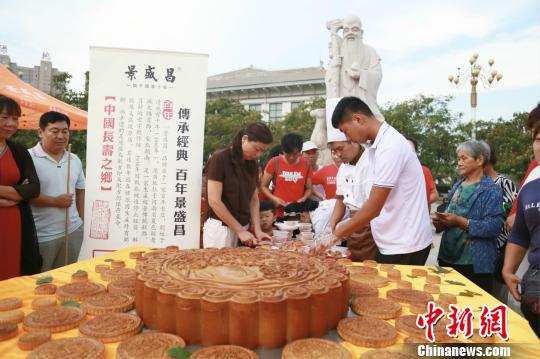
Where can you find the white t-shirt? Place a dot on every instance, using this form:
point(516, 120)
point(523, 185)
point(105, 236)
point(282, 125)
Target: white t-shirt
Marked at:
point(50, 221)
point(353, 183)
point(403, 226)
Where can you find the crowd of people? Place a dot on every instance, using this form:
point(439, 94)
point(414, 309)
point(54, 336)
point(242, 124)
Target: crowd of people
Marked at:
point(36, 201)
point(376, 198)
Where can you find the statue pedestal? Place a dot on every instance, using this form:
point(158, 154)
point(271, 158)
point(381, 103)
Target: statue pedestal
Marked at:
point(319, 136)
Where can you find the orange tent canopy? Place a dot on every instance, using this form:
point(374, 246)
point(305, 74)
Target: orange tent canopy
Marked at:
point(34, 102)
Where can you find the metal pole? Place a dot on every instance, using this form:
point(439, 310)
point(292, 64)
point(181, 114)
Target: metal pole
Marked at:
point(66, 238)
point(473, 120)
point(474, 102)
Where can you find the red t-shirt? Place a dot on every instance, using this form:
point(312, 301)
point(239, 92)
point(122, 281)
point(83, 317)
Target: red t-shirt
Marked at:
point(290, 179)
point(532, 165)
point(430, 184)
point(326, 176)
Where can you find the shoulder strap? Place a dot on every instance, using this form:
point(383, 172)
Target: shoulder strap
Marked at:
point(276, 168)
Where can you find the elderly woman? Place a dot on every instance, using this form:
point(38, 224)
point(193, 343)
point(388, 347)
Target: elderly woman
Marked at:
point(473, 218)
point(18, 184)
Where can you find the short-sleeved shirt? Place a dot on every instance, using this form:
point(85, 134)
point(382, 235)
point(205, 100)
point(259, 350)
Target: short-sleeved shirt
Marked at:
point(238, 185)
point(526, 229)
point(403, 226)
point(430, 184)
point(326, 176)
point(353, 183)
point(290, 179)
point(532, 173)
point(51, 221)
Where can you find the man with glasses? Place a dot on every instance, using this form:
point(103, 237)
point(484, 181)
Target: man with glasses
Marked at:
point(352, 191)
point(49, 209)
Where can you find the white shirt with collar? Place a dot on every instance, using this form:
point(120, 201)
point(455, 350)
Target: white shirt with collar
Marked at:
point(50, 221)
point(403, 226)
point(353, 183)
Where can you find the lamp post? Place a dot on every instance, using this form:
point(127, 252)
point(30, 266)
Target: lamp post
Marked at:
point(472, 74)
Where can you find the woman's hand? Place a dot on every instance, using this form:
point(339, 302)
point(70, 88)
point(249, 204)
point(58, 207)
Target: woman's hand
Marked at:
point(261, 236)
point(446, 220)
point(247, 238)
point(7, 203)
point(278, 202)
point(512, 282)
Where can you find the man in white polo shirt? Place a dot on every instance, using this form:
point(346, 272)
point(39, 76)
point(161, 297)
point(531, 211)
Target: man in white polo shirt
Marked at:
point(49, 209)
point(396, 207)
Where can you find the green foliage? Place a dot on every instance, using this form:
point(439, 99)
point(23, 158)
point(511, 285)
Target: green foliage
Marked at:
point(439, 132)
point(178, 352)
point(224, 117)
point(429, 121)
point(426, 119)
point(298, 121)
point(70, 303)
point(44, 279)
point(511, 141)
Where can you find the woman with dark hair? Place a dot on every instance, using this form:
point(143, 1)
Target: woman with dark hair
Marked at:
point(232, 190)
point(18, 184)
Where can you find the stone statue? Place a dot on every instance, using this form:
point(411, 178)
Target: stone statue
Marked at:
point(319, 136)
point(354, 69)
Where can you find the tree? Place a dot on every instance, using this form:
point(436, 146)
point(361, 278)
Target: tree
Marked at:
point(224, 117)
point(298, 120)
point(511, 141)
point(429, 121)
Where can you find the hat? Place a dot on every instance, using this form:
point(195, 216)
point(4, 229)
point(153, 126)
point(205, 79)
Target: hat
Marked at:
point(309, 145)
point(333, 134)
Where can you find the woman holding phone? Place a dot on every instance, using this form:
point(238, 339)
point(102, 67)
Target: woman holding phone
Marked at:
point(472, 219)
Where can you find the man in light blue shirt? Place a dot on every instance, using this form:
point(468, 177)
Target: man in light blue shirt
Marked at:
point(49, 209)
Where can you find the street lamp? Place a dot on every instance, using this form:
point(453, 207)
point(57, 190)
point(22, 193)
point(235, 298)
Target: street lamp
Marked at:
point(475, 72)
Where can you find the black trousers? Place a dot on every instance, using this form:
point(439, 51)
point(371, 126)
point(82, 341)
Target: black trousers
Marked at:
point(530, 297)
point(483, 280)
point(417, 258)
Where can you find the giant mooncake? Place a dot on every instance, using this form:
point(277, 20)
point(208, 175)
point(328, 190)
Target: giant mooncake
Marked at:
point(240, 296)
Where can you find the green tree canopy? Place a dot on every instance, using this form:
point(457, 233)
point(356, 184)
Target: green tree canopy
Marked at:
point(511, 141)
point(224, 117)
point(429, 121)
point(426, 119)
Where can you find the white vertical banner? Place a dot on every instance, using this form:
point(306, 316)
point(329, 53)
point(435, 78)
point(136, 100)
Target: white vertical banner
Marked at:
point(144, 149)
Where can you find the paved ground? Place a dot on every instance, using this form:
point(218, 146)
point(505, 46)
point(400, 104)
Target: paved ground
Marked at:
point(432, 259)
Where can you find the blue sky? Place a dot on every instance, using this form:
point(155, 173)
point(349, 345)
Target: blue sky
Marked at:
point(420, 42)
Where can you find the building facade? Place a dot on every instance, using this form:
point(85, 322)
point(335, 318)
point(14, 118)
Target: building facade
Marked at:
point(272, 93)
point(40, 76)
